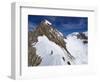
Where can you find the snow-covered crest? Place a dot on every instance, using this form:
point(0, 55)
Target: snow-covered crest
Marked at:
point(47, 22)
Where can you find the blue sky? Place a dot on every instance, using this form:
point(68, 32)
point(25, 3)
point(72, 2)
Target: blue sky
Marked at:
point(64, 24)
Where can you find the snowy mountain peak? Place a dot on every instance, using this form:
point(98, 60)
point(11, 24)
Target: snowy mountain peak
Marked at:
point(46, 42)
point(47, 22)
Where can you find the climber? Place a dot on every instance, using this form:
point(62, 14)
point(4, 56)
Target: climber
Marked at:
point(51, 52)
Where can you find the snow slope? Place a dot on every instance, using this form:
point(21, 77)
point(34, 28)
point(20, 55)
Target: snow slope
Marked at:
point(77, 48)
point(51, 53)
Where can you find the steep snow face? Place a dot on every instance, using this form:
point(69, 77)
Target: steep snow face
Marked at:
point(47, 22)
point(77, 48)
point(51, 53)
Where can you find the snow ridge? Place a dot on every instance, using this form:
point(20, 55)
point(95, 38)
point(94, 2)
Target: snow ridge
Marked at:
point(47, 22)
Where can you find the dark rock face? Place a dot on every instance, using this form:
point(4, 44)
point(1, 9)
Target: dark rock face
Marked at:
point(85, 42)
point(82, 36)
point(51, 33)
